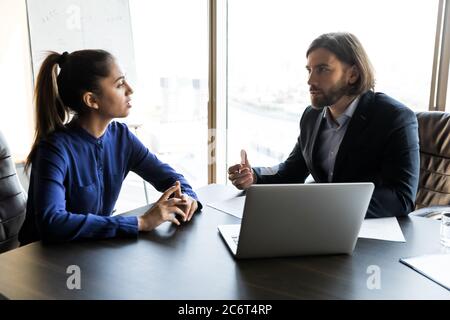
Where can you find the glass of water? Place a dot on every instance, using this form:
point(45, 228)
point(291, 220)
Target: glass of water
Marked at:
point(445, 228)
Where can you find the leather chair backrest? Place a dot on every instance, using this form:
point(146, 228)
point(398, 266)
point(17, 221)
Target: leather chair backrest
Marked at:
point(13, 200)
point(434, 180)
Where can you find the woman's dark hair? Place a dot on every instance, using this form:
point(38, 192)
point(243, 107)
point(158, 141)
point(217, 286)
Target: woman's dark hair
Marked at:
point(57, 95)
point(349, 50)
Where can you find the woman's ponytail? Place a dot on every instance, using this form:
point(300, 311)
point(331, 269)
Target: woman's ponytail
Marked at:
point(51, 114)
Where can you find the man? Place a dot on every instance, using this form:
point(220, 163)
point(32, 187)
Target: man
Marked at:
point(349, 133)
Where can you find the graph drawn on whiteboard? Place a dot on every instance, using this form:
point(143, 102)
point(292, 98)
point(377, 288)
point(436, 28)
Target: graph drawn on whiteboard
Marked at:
point(70, 25)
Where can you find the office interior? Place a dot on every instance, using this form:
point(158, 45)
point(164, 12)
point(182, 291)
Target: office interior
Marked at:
point(227, 75)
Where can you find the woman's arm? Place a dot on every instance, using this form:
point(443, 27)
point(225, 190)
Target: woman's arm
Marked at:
point(53, 220)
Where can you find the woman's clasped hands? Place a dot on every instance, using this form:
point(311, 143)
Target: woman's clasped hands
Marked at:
point(173, 206)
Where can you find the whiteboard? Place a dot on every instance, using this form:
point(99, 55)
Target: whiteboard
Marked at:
point(70, 25)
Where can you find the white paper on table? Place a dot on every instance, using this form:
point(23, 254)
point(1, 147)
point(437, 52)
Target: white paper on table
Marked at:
point(434, 266)
point(382, 229)
point(233, 206)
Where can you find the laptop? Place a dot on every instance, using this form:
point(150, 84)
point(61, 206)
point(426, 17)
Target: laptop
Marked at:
point(299, 219)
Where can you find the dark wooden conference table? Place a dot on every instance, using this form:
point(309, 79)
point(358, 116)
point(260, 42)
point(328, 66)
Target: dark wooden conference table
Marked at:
point(193, 262)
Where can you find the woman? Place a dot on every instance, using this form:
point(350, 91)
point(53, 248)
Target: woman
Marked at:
point(78, 167)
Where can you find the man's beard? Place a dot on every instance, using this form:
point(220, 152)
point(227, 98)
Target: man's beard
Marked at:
point(331, 97)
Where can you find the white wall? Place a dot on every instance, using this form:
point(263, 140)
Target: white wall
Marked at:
point(16, 111)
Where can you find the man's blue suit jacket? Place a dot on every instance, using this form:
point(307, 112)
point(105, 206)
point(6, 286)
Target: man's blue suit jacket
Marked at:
point(381, 145)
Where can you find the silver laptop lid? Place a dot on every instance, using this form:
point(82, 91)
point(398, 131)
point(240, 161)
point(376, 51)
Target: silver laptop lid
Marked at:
point(302, 219)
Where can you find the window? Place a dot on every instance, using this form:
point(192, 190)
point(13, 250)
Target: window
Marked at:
point(267, 42)
point(264, 75)
point(16, 81)
point(171, 92)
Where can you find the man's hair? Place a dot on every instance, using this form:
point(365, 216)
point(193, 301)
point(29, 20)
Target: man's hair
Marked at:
point(349, 50)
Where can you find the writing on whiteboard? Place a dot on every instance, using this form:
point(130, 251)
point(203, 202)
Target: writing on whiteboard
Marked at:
point(73, 21)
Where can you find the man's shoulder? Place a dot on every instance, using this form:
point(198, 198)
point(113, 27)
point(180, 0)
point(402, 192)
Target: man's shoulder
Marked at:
point(387, 103)
point(384, 106)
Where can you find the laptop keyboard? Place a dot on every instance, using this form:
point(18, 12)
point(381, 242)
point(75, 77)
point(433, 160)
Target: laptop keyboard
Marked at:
point(235, 239)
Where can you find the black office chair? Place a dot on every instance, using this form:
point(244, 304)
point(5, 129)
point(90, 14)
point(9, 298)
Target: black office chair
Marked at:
point(13, 200)
point(433, 194)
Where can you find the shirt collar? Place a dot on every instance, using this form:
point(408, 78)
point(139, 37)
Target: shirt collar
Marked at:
point(90, 138)
point(352, 107)
point(344, 117)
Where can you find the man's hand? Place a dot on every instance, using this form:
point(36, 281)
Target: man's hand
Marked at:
point(241, 175)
